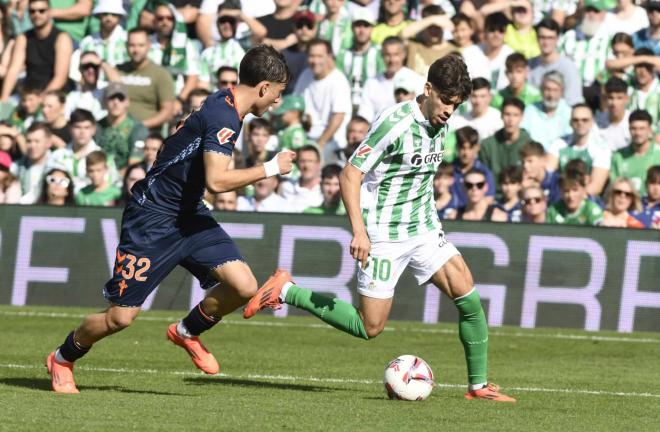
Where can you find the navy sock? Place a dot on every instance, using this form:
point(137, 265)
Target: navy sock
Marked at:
point(197, 321)
point(71, 351)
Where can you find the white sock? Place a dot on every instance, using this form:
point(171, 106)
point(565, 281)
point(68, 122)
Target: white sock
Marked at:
point(285, 289)
point(59, 358)
point(183, 331)
point(473, 387)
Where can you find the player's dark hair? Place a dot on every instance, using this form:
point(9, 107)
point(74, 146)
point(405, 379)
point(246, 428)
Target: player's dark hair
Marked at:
point(96, 157)
point(81, 115)
point(531, 148)
point(467, 135)
point(515, 60)
point(309, 147)
point(515, 102)
point(260, 123)
point(432, 9)
point(653, 174)
point(496, 22)
point(449, 76)
point(480, 83)
point(325, 43)
point(550, 24)
point(510, 174)
point(39, 126)
point(616, 85)
point(330, 171)
point(640, 115)
point(263, 63)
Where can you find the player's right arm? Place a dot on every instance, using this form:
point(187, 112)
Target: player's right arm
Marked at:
point(350, 182)
point(220, 178)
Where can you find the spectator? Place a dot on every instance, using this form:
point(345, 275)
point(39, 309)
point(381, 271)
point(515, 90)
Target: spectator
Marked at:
point(634, 160)
point(55, 117)
point(88, 95)
point(278, 24)
point(149, 86)
point(550, 59)
point(120, 135)
point(264, 199)
point(10, 188)
point(171, 48)
point(72, 16)
point(152, 146)
point(467, 143)
point(404, 89)
point(291, 111)
point(134, 173)
point(258, 133)
point(628, 17)
point(532, 156)
point(584, 143)
point(621, 202)
point(196, 98)
point(495, 49)
point(306, 190)
point(613, 123)
point(363, 60)
point(391, 22)
point(225, 53)
point(43, 53)
point(520, 34)
point(336, 25)
point(503, 148)
point(244, 11)
point(549, 119)
point(516, 73)
point(574, 208)
point(650, 215)
point(378, 92)
point(109, 43)
point(620, 66)
point(9, 137)
point(304, 24)
point(446, 202)
point(356, 132)
point(509, 208)
point(7, 40)
point(477, 63)
point(327, 99)
point(28, 111)
point(477, 207)
point(534, 204)
point(56, 188)
point(483, 117)
point(331, 204)
point(98, 192)
point(226, 201)
point(30, 168)
point(72, 158)
point(227, 77)
point(650, 37)
point(425, 39)
point(646, 86)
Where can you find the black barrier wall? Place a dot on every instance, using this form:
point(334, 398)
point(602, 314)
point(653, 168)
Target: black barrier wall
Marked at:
point(527, 275)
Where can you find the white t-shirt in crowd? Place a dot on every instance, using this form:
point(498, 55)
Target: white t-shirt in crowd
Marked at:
point(497, 67)
point(596, 147)
point(299, 198)
point(378, 92)
point(252, 8)
point(617, 136)
point(272, 203)
point(476, 61)
point(637, 21)
point(486, 125)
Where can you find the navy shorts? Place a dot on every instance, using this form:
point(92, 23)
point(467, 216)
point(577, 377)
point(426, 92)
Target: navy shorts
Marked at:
point(152, 244)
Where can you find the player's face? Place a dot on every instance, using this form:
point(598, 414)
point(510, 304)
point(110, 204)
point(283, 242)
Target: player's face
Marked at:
point(616, 103)
point(96, 172)
point(393, 57)
point(330, 190)
point(37, 144)
point(82, 132)
point(138, 47)
point(309, 165)
point(480, 100)
point(640, 132)
point(510, 190)
point(438, 108)
point(573, 196)
point(467, 153)
point(476, 187)
point(511, 117)
point(547, 40)
point(226, 201)
point(534, 202)
point(581, 121)
point(517, 77)
point(52, 108)
point(270, 93)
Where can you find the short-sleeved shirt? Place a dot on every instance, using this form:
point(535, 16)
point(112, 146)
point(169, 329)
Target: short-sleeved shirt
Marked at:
point(339, 32)
point(122, 142)
point(358, 67)
point(382, 31)
point(589, 213)
point(596, 153)
point(543, 128)
point(525, 43)
point(87, 196)
point(588, 54)
point(113, 50)
point(147, 88)
point(625, 163)
point(224, 53)
point(175, 184)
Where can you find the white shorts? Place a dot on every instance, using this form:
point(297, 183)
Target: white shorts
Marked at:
point(387, 260)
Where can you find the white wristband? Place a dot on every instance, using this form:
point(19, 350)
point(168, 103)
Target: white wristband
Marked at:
point(272, 167)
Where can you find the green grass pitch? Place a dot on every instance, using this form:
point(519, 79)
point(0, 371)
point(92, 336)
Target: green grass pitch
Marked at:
point(296, 374)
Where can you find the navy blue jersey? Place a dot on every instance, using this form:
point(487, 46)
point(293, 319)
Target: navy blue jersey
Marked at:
point(175, 184)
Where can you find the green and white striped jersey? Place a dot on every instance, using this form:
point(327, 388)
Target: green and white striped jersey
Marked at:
point(589, 55)
point(399, 156)
point(224, 53)
point(112, 51)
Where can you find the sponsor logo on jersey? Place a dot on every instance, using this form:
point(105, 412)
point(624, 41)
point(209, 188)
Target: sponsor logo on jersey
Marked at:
point(363, 150)
point(418, 159)
point(224, 135)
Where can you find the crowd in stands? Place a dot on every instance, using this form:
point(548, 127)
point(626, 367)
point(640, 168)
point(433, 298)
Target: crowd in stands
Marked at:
point(561, 125)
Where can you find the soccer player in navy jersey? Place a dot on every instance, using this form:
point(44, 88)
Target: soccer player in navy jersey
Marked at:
point(165, 223)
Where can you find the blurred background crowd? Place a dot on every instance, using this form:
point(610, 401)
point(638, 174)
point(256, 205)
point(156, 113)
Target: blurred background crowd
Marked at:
point(561, 126)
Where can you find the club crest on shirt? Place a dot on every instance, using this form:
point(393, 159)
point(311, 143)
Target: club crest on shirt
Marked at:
point(224, 135)
point(363, 150)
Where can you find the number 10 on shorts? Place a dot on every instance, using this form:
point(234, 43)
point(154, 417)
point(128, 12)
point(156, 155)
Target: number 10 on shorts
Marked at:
point(382, 269)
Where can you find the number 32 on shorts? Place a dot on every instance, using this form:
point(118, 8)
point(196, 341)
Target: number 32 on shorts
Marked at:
point(382, 269)
point(131, 266)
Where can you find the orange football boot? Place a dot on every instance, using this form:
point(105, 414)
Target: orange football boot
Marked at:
point(61, 375)
point(490, 392)
point(200, 356)
point(268, 296)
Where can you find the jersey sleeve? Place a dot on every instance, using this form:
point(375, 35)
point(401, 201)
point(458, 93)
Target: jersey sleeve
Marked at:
point(380, 141)
point(221, 129)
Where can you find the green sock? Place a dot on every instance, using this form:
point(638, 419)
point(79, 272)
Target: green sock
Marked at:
point(339, 314)
point(473, 331)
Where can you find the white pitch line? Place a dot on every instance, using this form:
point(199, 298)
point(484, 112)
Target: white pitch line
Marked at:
point(293, 378)
point(577, 337)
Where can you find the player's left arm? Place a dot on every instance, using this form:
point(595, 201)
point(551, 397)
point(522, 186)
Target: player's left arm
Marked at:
point(335, 121)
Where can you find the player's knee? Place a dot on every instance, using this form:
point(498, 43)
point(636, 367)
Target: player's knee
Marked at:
point(247, 286)
point(374, 329)
point(117, 322)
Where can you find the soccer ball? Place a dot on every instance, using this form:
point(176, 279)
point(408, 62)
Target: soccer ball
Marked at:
point(408, 377)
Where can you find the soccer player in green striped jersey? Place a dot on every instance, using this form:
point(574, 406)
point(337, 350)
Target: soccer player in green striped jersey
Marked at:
point(387, 188)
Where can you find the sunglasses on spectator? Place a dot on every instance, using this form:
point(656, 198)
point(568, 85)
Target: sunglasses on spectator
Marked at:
point(532, 200)
point(304, 23)
point(627, 194)
point(580, 120)
point(105, 14)
point(228, 83)
point(89, 66)
point(119, 97)
point(62, 181)
point(477, 185)
point(519, 9)
point(38, 11)
point(165, 18)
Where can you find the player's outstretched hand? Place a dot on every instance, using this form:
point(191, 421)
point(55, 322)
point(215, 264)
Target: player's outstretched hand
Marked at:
point(285, 161)
point(360, 248)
